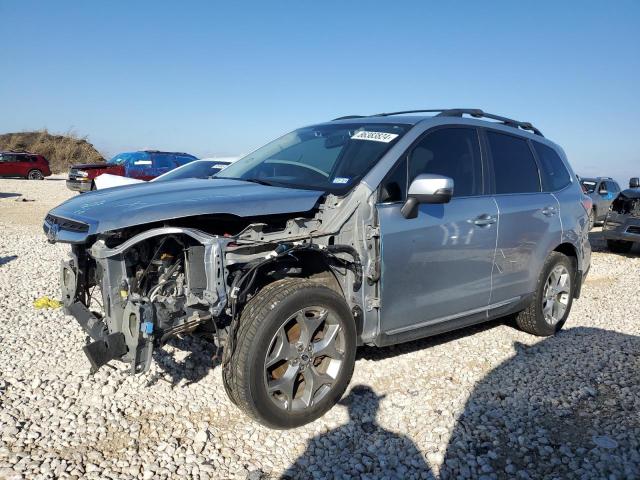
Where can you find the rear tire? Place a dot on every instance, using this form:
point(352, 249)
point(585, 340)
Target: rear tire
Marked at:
point(550, 307)
point(619, 246)
point(294, 353)
point(35, 174)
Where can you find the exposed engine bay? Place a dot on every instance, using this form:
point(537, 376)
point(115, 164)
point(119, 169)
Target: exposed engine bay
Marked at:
point(626, 205)
point(134, 289)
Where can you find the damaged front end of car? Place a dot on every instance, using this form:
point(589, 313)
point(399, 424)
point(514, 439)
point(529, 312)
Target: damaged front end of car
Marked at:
point(132, 295)
point(134, 288)
point(622, 223)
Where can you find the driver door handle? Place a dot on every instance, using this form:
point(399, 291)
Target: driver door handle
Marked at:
point(484, 220)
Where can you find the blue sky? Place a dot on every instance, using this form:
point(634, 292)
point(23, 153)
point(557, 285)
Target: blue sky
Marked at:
point(224, 78)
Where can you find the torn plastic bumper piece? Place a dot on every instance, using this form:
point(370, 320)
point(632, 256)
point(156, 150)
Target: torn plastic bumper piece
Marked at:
point(101, 352)
point(105, 347)
point(91, 324)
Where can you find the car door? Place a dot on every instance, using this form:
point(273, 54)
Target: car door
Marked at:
point(25, 164)
point(437, 266)
point(138, 166)
point(609, 194)
point(10, 165)
point(4, 164)
point(162, 163)
point(529, 224)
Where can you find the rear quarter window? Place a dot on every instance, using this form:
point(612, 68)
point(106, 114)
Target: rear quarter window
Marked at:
point(555, 175)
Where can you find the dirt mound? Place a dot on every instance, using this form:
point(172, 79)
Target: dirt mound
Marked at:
point(61, 150)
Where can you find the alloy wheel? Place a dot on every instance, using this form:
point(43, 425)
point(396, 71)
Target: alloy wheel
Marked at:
point(304, 359)
point(556, 296)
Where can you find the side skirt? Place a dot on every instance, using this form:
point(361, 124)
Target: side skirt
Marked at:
point(385, 339)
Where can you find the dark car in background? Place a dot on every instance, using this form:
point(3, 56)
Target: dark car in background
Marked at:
point(622, 226)
point(602, 191)
point(141, 165)
point(23, 164)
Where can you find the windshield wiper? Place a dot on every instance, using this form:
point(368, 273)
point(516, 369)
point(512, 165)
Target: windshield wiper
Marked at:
point(259, 181)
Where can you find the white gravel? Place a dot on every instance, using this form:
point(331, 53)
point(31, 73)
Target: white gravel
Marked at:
point(486, 402)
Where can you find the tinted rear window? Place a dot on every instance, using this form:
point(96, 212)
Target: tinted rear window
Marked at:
point(555, 175)
point(514, 168)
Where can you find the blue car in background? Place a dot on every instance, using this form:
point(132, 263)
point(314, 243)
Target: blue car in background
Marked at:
point(141, 165)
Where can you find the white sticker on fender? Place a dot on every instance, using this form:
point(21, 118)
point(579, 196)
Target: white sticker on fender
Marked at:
point(374, 136)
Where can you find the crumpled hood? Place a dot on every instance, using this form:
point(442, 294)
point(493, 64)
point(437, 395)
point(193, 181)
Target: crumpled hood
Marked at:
point(130, 205)
point(631, 193)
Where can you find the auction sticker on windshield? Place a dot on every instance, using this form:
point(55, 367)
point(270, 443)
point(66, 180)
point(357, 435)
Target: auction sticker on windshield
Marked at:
point(374, 136)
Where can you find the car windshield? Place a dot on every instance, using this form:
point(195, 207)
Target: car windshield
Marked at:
point(326, 157)
point(589, 186)
point(197, 169)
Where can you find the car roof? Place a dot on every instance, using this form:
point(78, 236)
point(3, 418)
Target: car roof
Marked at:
point(18, 152)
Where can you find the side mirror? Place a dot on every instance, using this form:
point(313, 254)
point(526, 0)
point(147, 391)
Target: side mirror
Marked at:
point(427, 188)
point(603, 191)
point(634, 182)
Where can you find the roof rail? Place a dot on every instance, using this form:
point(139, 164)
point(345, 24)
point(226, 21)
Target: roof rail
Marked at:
point(477, 113)
point(459, 112)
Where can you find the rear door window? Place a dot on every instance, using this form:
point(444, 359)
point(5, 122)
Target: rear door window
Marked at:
point(514, 167)
point(555, 175)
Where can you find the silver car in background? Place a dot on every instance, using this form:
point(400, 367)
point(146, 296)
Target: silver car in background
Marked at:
point(602, 191)
point(369, 230)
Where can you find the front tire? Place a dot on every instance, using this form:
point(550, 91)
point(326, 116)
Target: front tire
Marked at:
point(550, 307)
point(619, 246)
point(35, 174)
point(294, 353)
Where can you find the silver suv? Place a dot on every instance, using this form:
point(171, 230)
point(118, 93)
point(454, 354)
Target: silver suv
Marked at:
point(363, 230)
point(602, 191)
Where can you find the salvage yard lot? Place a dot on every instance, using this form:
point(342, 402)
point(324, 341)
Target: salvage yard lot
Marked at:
point(488, 400)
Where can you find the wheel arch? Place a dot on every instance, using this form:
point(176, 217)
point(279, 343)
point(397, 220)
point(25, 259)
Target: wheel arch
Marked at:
point(571, 251)
point(313, 265)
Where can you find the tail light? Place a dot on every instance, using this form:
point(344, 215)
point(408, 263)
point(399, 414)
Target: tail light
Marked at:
point(587, 203)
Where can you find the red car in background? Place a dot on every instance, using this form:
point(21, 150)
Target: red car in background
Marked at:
point(142, 165)
point(23, 164)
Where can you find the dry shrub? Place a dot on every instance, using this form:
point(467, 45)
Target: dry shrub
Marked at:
point(62, 151)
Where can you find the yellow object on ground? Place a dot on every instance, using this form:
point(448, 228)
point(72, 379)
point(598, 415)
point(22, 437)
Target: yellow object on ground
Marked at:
point(46, 302)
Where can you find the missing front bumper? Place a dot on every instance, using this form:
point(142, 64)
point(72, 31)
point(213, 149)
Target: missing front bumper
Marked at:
point(101, 352)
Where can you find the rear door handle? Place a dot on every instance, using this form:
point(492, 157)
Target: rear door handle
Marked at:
point(549, 211)
point(484, 220)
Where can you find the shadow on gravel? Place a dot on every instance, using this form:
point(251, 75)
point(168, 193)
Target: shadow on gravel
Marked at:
point(7, 259)
point(363, 437)
point(567, 407)
point(9, 195)
point(192, 368)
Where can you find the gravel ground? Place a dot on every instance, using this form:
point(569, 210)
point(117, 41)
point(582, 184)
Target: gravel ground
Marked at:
point(485, 402)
